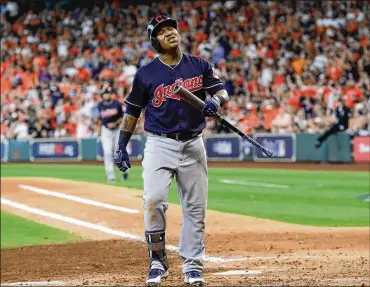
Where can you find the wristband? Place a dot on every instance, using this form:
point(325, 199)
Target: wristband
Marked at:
point(124, 138)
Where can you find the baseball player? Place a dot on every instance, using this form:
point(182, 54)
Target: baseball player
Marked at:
point(174, 146)
point(110, 117)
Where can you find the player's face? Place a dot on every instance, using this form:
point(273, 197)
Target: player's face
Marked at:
point(168, 37)
point(107, 97)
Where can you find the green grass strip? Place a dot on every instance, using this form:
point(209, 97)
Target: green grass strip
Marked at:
point(318, 198)
point(17, 231)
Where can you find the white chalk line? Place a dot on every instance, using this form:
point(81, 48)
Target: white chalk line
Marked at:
point(238, 272)
point(251, 183)
point(112, 231)
point(77, 198)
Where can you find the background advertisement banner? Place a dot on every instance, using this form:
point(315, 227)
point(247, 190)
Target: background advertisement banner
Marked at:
point(133, 149)
point(4, 150)
point(247, 150)
point(227, 148)
point(361, 149)
point(283, 147)
point(55, 150)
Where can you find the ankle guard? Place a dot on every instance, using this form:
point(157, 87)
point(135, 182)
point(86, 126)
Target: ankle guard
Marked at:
point(156, 247)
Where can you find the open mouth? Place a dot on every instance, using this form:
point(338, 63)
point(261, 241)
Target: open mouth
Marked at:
point(172, 39)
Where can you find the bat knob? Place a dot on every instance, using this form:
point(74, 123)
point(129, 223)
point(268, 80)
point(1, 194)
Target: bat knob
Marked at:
point(267, 152)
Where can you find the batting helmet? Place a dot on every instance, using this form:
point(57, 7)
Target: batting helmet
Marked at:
point(153, 26)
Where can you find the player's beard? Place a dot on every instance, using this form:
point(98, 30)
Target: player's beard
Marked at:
point(107, 101)
point(171, 48)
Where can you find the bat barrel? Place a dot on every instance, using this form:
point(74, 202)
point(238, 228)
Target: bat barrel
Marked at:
point(188, 97)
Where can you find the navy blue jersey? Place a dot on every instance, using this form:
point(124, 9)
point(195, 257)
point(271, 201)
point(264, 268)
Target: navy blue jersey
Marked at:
point(165, 112)
point(110, 112)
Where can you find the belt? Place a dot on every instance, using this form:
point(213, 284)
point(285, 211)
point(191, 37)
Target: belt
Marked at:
point(179, 136)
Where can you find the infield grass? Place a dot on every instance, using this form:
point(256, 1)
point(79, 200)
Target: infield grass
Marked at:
point(318, 198)
point(17, 231)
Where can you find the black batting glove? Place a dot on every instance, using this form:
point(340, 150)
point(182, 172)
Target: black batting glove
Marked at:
point(121, 158)
point(211, 106)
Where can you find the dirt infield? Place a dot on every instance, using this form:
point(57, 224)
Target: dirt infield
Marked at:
point(273, 253)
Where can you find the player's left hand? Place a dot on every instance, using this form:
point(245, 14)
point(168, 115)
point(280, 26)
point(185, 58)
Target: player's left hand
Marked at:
point(121, 158)
point(112, 125)
point(211, 106)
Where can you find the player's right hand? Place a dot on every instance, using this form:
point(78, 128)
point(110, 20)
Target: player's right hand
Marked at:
point(121, 158)
point(211, 106)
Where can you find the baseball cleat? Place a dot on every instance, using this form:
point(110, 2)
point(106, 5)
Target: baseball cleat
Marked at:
point(125, 175)
point(155, 276)
point(193, 278)
point(111, 180)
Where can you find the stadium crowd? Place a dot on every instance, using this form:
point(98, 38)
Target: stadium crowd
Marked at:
point(285, 69)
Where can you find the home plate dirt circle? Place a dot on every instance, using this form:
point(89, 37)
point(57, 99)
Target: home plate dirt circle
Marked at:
point(288, 254)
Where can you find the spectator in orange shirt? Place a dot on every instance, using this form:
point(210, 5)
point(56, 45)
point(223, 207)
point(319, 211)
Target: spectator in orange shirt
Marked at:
point(83, 75)
point(352, 94)
point(298, 64)
point(250, 122)
point(269, 113)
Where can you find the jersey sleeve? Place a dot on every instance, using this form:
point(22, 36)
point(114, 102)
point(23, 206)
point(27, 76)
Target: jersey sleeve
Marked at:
point(120, 109)
point(211, 82)
point(138, 96)
point(98, 109)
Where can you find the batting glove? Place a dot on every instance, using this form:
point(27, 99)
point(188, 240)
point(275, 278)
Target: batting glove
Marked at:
point(121, 158)
point(211, 106)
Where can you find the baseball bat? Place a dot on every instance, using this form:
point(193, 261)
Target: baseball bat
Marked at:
point(193, 100)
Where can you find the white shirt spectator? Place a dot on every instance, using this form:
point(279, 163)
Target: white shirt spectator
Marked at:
point(66, 21)
point(87, 27)
point(32, 39)
point(229, 4)
point(320, 62)
point(266, 76)
point(20, 131)
point(44, 47)
point(59, 133)
point(128, 74)
point(70, 71)
point(91, 89)
point(63, 49)
point(79, 62)
point(12, 8)
point(251, 51)
point(82, 130)
point(26, 52)
point(87, 109)
point(205, 50)
point(216, 5)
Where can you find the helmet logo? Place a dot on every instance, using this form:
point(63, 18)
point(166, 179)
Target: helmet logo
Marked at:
point(159, 19)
